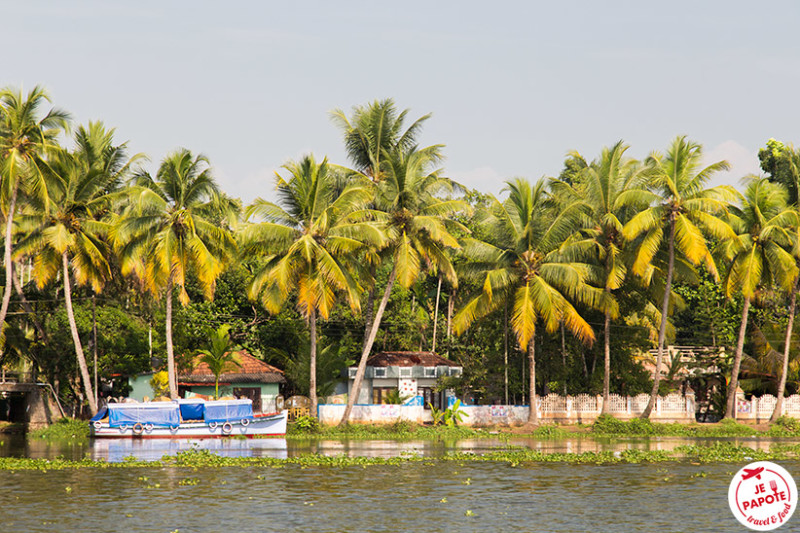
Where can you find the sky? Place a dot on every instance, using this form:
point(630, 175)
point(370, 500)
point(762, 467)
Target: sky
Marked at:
point(512, 86)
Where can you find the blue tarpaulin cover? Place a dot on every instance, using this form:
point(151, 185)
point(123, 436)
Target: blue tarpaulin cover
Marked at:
point(162, 414)
point(101, 414)
point(228, 410)
point(192, 409)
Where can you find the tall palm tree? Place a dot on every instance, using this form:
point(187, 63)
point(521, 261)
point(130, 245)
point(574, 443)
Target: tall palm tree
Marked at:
point(757, 256)
point(374, 130)
point(66, 231)
point(611, 191)
point(419, 230)
point(782, 164)
point(24, 133)
point(522, 262)
point(372, 134)
point(172, 227)
point(309, 243)
point(683, 213)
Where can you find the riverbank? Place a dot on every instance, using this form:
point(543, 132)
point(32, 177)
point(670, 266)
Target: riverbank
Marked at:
point(718, 452)
point(605, 426)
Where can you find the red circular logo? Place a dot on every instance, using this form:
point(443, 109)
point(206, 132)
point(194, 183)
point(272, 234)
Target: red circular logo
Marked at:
point(762, 496)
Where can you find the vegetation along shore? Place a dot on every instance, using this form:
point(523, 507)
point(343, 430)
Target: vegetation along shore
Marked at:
point(561, 284)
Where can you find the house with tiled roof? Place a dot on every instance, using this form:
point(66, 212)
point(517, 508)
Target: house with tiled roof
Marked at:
point(251, 378)
point(413, 374)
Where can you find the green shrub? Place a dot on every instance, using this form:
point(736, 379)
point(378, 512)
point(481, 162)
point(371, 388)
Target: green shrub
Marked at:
point(304, 425)
point(63, 429)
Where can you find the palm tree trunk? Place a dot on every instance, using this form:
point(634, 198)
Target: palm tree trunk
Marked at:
point(216, 387)
point(87, 383)
point(607, 361)
point(7, 256)
point(173, 378)
point(730, 411)
point(362, 363)
point(436, 313)
point(786, 345)
point(505, 351)
point(369, 312)
point(312, 381)
point(564, 356)
point(533, 413)
point(662, 330)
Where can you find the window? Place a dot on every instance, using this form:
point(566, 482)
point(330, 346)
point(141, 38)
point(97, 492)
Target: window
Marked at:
point(352, 372)
point(379, 394)
point(455, 372)
point(380, 372)
point(405, 371)
point(430, 372)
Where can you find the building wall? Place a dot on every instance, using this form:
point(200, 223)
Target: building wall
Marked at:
point(140, 387)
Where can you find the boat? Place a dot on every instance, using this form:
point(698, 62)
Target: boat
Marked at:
point(189, 418)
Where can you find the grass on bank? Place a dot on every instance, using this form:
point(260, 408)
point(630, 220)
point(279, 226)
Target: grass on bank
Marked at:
point(607, 425)
point(77, 431)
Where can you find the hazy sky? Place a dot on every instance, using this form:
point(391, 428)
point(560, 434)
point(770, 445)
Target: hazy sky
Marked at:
point(512, 85)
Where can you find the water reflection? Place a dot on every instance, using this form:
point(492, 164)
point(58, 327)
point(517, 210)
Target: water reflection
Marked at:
point(153, 449)
point(116, 450)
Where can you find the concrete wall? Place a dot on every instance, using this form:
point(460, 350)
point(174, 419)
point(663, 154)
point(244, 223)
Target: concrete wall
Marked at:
point(551, 408)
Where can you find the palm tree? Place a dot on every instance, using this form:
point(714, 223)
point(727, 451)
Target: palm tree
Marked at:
point(757, 255)
point(686, 210)
point(24, 133)
point(522, 262)
point(782, 163)
point(172, 227)
point(419, 231)
point(219, 355)
point(372, 134)
point(611, 192)
point(308, 243)
point(375, 130)
point(66, 230)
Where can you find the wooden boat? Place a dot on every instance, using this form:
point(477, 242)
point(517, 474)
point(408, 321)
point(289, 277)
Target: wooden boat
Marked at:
point(195, 419)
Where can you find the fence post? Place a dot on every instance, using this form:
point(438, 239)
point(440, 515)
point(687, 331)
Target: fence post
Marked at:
point(629, 402)
point(658, 405)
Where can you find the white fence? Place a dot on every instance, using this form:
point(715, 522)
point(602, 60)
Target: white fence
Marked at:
point(761, 409)
point(552, 408)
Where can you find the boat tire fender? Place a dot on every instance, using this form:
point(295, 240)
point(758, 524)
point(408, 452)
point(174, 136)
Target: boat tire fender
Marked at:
point(123, 427)
point(148, 427)
point(245, 422)
point(212, 425)
point(227, 427)
point(97, 424)
point(174, 428)
point(138, 428)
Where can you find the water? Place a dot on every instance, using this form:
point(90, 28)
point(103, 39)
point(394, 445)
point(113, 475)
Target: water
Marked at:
point(540, 497)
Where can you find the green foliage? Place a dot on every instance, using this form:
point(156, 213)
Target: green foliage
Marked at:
point(393, 397)
point(64, 429)
point(160, 384)
point(219, 354)
point(304, 425)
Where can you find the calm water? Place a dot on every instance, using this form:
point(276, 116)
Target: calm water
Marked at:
point(543, 497)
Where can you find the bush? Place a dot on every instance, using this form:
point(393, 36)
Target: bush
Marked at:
point(304, 425)
point(63, 429)
point(788, 423)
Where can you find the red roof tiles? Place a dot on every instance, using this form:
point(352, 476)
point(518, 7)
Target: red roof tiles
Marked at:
point(249, 370)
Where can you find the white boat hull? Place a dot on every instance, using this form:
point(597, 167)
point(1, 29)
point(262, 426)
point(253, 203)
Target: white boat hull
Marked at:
point(261, 425)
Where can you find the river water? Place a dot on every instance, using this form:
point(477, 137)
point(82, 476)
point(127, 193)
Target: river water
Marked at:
point(435, 496)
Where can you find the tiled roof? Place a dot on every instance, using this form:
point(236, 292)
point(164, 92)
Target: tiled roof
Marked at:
point(409, 359)
point(249, 370)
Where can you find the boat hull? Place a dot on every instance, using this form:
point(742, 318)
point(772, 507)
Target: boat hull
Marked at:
point(261, 425)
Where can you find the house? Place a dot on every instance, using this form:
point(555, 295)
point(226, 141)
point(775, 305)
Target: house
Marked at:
point(253, 379)
point(413, 374)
